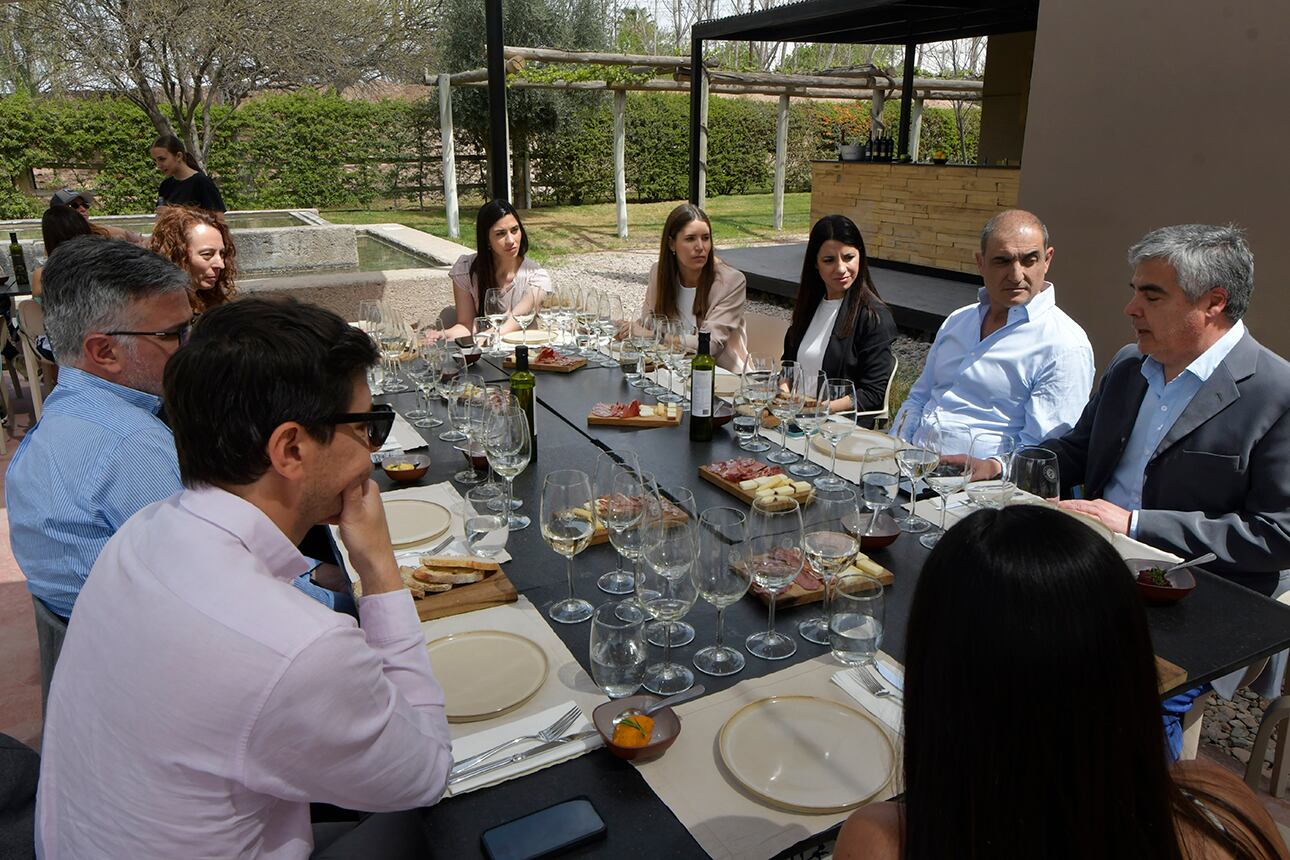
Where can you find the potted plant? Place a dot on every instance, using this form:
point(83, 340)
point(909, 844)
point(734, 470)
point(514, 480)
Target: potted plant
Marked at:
point(852, 150)
point(939, 156)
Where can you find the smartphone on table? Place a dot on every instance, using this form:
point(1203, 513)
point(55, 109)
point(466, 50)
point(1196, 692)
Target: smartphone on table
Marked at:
point(544, 833)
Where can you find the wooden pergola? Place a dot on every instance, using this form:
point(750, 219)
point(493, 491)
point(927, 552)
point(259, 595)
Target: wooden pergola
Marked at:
point(669, 74)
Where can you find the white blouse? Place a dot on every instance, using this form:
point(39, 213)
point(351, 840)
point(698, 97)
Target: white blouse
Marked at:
point(685, 305)
point(530, 274)
point(810, 355)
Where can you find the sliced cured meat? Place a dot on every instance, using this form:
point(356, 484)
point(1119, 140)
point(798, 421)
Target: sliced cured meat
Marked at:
point(632, 410)
point(604, 410)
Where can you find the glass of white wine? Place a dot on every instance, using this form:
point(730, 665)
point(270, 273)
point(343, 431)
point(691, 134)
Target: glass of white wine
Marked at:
point(563, 493)
point(828, 525)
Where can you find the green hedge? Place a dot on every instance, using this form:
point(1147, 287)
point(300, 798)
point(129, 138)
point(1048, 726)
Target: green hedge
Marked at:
point(316, 149)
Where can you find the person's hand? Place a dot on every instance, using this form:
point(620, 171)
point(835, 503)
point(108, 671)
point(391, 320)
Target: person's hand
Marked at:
point(1112, 516)
point(367, 538)
point(986, 469)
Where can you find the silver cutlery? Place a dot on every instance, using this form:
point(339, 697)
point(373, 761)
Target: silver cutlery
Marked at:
point(548, 735)
point(488, 767)
point(417, 553)
point(871, 683)
point(1202, 559)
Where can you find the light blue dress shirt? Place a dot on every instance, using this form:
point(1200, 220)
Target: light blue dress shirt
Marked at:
point(98, 454)
point(1161, 406)
point(1029, 380)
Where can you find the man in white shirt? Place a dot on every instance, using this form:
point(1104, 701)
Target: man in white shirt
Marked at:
point(1013, 362)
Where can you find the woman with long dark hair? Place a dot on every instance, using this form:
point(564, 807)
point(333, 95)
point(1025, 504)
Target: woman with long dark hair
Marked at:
point(185, 184)
point(57, 225)
point(500, 262)
point(840, 325)
point(999, 762)
point(689, 283)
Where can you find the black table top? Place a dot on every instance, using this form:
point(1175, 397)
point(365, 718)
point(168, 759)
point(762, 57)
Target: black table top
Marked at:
point(1221, 627)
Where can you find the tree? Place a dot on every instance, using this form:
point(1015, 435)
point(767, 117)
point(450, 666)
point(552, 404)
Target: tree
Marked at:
point(961, 58)
point(29, 57)
point(176, 60)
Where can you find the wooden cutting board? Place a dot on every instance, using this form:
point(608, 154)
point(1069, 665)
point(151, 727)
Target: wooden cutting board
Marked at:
point(493, 590)
point(601, 534)
point(637, 423)
point(798, 595)
point(743, 495)
point(509, 364)
point(1169, 674)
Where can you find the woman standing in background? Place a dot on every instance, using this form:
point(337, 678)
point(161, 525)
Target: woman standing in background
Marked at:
point(184, 184)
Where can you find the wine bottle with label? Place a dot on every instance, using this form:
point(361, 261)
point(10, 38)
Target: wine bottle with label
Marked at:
point(522, 382)
point(19, 264)
point(702, 381)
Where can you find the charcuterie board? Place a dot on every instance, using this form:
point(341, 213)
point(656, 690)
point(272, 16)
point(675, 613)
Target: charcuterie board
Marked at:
point(809, 588)
point(549, 360)
point(633, 415)
point(802, 491)
point(601, 534)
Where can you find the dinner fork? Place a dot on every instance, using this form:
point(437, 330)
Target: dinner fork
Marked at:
point(870, 683)
point(550, 733)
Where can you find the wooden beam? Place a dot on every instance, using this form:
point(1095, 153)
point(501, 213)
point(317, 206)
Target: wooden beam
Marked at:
point(671, 86)
point(703, 140)
point(549, 55)
point(449, 159)
point(781, 160)
point(620, 160)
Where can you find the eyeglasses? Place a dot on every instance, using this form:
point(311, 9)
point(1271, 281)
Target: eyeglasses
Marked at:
point(380, 421)
point(180, 332)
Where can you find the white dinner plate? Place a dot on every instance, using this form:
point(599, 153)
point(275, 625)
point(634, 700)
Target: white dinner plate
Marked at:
point(726, 384)
point(533, 337)
point(854, 446)
point(415, 520)
point(485, 673)
point(805, 754)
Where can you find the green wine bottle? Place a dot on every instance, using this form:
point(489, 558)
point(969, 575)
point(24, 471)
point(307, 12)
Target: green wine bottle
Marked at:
point(19, 264)
point(522, 382)
point(702, 380)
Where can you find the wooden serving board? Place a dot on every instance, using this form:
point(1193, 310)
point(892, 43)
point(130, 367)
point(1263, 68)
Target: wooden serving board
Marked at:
point(797, 595)
point(637, 423)
point(493, 590)
point(738, 492)
point(509, 364)
point(1169, 675)
point(600, 535)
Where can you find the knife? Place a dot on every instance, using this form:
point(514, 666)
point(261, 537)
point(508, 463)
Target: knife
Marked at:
point(892, 677)
point(489, 767)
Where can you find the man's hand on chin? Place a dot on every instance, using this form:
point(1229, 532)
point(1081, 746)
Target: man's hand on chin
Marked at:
point(1112, 516)
point(367, 538)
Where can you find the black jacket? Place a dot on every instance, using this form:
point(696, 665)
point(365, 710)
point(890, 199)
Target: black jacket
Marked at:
point(865, 358)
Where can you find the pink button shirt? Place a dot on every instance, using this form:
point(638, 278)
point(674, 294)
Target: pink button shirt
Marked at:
point(201, 702)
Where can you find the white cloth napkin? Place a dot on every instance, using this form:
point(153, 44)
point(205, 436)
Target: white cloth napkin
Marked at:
point(403, 437)
point(889, 709)
point(469, 745)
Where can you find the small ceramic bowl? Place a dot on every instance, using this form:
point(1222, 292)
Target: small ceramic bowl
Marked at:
point(420, 464)
point(723, 414)
point(1182, 582)
point(667, 727)
point(884, 533)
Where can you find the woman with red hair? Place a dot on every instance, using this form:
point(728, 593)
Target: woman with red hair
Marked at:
point(199, 243)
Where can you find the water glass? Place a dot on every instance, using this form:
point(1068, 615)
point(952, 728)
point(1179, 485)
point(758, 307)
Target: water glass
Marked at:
point(994, 492)
point(486, 530)
point(856, 620)
point(745, 429)
point(618, 647)
point(1034, 471)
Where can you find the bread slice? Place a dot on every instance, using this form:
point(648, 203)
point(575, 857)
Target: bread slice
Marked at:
point(449, 577)
point(457, 562)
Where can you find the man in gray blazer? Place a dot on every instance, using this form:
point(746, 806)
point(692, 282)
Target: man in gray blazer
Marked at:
point(1186, 444)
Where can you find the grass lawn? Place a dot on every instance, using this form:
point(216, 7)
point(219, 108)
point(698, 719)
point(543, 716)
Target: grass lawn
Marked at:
point(555, 231)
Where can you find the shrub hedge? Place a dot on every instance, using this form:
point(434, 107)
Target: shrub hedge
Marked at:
point(316, 149)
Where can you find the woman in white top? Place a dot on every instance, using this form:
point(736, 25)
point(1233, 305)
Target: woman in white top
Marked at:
point(500, 262)
point(700, 290)
point(840, 325)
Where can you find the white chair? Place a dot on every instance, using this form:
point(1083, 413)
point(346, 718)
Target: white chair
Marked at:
point(1277, 715)
point(31, 324)
point(885, 412)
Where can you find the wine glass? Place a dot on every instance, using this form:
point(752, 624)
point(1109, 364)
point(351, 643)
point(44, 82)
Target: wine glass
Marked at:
point(758, 388)
point(525, 302)
point(951, 442)
point(369, 317)
point(451, 372)
point(837, 426)
point(1034, 471)
point(483, 401)
point(992, 492)
point(563, 492)
point(418, 370)
point(618, 649)
point(828, 536)
point(496, 309)
point(618, 495)
point(790, 396)
point(915, 458)
point(879, 483)
point(775, 559)
point(655, 348)
point(509, 448)
point(607, 315)
point(666, 591)
point(464, 389)
point(814, 411)
point(486, 530)
point(721, 578)
point(486, 336)
point(677, 504)
point(393, 339)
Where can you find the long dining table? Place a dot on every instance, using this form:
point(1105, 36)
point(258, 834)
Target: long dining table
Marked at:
point(1219, 628)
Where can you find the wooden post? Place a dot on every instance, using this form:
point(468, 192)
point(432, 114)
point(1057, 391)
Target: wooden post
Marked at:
point(620, 160)
point(449, 158)
point(528, 178)
point(499, 146)
point(781, 159)
point(703, 140)
point(915, 128)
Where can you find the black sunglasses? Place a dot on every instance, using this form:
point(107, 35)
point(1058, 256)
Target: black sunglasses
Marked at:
point(180, 332)
point(380, 421)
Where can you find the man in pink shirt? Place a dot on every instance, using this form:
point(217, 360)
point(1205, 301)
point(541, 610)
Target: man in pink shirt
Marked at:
point(201, 702)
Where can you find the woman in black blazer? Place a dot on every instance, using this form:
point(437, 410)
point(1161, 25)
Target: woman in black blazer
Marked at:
point(840, 325)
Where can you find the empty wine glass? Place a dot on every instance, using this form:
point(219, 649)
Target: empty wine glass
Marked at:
point(790, 395)
point(677, 504)
point(509, 448)
point(837, 427)
point(813, 413)
point(828, 537)
point(721, 578)
point(775, 559)
point(618, 495)
point(666, 591)
point(618, 649)
point(525, 303)
point(1034, 471)
point(915, 458)
point(758, 388)
point(497, 310)
point(951, 442)
point(992, 492)
point(563, 492)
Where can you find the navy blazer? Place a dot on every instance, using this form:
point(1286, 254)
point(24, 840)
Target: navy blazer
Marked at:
point(1220, 479)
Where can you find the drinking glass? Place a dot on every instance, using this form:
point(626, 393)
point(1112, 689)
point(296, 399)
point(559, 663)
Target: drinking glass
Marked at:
point(496, 309)
point(721, 578)
point(666, 591)
point(745, 426)
point(758, 388)
point(618, 647)
point(879, 483)
point(461, 392)
point(637, 340)
point(915, 459)
point(486, 530)
point(609, 310)
point(855, 624)
point(525, 302)
point(677, 504)
point(828, 537)
point(481, 400)
point(682, 367)
point(564, 491)
point(790, 396)
point(585, 319)
point(629, 357)
point(814, 411)
point(618, 495)
point(775, 559)
point(418, 370)
point(654, 348)
point(951, 442)
point(836, 427)
point(486, 336)
point(1034, 471)
point(993, 492)
point(369, 317)
point(509, 448)
point(393, 339)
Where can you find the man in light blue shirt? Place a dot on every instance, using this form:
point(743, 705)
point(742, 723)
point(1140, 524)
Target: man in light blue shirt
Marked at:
point(115, 313)
point(1014, 362)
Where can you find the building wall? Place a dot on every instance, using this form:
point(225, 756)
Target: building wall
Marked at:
point(1143, 115)
point(1005, 93)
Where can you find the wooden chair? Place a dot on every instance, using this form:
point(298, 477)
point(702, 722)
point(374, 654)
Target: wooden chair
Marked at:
point(31, 324)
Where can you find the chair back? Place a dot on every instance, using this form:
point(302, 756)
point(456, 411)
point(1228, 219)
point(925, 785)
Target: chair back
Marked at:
point(448, 317)
point(765, 335)
point(31, 319)
point(885, 412)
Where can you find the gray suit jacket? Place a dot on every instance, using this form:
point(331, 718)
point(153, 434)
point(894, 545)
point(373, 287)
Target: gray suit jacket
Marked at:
point(1220, 479)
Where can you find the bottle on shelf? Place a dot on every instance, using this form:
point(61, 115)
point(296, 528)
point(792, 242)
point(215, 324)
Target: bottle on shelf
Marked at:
point(702, 383)
point(522, 383)
point(19, 264)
